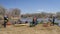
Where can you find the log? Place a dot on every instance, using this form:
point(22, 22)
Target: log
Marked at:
point(22, 24)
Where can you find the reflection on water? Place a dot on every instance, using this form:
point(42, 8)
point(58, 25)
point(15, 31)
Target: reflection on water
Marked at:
point(39, 20)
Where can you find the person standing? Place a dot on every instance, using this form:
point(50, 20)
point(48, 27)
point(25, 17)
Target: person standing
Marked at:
point(53, 20)
point(5, 21)
point(34, 21)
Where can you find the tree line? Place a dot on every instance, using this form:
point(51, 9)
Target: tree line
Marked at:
point(14, 12)
point(11, 12)
point(17, 12)
point(42, 15)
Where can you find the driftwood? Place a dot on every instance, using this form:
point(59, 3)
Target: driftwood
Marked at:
point(17, 25)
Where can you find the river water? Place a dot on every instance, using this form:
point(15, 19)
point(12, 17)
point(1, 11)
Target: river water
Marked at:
point(39, 20)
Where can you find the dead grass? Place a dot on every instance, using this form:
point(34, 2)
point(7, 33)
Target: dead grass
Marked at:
point(39, 29)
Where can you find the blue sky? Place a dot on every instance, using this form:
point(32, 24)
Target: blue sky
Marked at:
point(32, 6)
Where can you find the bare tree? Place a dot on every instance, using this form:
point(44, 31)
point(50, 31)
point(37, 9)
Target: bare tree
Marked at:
point(2, 10)
point(16, 12)
point(2, 13)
